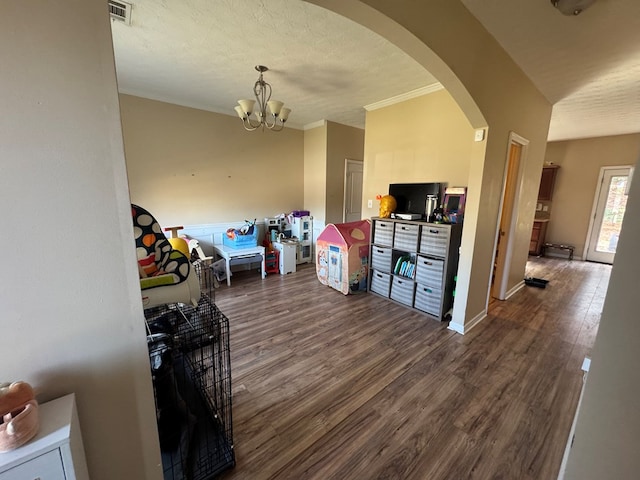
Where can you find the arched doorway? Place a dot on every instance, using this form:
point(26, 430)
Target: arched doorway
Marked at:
point(492, 92)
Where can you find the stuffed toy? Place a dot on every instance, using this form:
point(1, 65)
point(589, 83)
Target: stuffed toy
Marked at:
point(12, 395)
point(388, 205)
point(18, 415)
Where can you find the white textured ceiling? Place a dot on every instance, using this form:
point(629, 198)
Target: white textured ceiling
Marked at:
point(587, 66)
point(201, 53)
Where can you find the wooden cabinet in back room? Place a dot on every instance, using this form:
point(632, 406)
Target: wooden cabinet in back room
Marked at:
point(538, 236)
point(547, 182)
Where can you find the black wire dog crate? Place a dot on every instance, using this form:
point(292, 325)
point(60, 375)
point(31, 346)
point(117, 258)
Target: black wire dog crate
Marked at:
point(208, 282)
point(190, 366)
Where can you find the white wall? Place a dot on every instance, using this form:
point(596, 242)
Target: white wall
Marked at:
point(71, 316)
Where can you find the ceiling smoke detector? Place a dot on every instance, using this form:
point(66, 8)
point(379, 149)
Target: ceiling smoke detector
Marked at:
point(571, 7)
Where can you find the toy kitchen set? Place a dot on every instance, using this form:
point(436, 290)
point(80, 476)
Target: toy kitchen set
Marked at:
point(292, 239)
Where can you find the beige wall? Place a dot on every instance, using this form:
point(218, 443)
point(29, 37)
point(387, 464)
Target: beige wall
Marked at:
point(325, 149)
point(315, 171)
point(399, 149)
point(71, 314)
point(342, 142)
point(607, 435)
point(576, 182)
point(191, 167)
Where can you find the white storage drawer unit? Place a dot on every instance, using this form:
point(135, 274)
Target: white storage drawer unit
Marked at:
point(382, 232)
point(406, 237)
point(435, 240)
point(428, 299)
point(55, 453)
point(45, 467)
point(429, 271)
point(380, 283)
point(381, 258)
point(402, 290)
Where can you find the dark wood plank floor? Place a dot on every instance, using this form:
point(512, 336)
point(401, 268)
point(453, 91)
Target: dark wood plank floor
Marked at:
point(327, 386)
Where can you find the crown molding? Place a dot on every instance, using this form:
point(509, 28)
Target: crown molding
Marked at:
point(404, 97)
point(319, 123)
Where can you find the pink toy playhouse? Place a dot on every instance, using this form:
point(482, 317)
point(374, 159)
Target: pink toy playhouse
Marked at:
point(342, 251)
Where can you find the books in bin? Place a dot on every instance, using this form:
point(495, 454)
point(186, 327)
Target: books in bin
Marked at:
point(405, 266)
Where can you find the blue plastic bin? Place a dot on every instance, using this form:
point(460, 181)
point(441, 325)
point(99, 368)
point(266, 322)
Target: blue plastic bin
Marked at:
point(241, 241)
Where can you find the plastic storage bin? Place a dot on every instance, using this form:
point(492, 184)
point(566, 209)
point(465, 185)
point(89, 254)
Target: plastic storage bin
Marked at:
point(381, 283)
point(383, 233)
point(241, 241)
point(402, 290)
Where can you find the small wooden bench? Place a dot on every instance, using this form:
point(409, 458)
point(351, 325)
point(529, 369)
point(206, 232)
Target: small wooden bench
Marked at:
point(559, 246)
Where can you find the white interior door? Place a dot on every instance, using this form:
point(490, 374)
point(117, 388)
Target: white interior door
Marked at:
point(352, 190)
point(608, 211)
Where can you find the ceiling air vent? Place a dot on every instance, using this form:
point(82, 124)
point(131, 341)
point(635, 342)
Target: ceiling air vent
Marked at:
point(120, 11)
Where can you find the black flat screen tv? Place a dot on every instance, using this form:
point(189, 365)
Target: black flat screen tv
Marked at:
point(412, 197)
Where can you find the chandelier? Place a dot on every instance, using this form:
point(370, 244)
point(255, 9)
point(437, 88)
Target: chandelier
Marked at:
point(269, 113)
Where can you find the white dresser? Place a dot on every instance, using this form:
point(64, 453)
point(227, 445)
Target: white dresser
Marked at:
point(55, 453)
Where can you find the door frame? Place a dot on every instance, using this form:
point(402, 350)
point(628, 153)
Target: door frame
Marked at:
point(348, 161)
point(596, 196)
point(502, 271)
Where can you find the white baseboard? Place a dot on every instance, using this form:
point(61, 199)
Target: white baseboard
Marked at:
point(462, 329)
point(513, 290)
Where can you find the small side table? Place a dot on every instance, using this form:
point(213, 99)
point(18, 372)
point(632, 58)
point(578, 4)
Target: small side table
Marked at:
point(56, 452)
point(237, 256)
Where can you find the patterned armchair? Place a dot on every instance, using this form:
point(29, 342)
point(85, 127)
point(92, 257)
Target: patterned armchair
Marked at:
point(166, 275)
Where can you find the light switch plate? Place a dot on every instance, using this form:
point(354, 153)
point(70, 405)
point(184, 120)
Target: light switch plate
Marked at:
point(479, 135)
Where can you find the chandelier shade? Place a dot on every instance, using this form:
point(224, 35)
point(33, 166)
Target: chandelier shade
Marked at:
point(270, 114)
